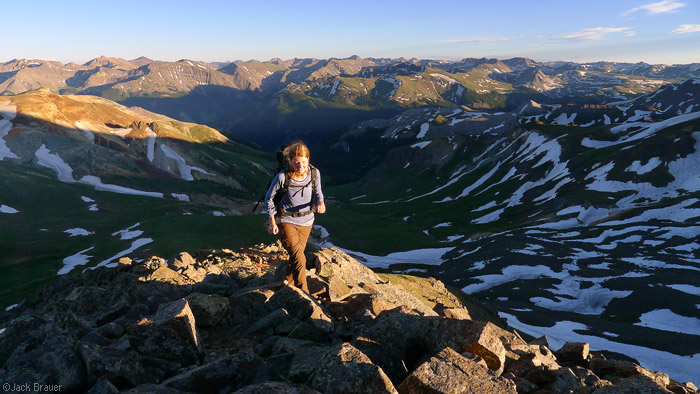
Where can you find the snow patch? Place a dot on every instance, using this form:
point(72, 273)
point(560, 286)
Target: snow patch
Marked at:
point(128, 233)
point(666, 320)
point(181, 197)
point(75, 260)
point(7, 209)
point(73, 232)
point(423, 130)
point(134, 245)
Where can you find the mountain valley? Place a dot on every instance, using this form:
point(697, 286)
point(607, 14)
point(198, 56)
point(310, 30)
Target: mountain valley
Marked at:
point(565, 196)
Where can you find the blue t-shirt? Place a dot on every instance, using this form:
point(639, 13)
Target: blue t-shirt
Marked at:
point(298, 198)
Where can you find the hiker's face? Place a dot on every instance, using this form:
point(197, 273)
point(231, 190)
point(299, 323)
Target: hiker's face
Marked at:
point(300, 164)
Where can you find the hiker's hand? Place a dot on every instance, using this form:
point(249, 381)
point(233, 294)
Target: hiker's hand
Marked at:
point(321, 208)
point(273, 229)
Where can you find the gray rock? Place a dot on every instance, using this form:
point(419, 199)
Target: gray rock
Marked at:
point(208, 310)
point(276, 388)
point(121, 367)
point(102, 386)
point(638, 384)
point(182, 261)
point(302, 306)
point(171, 334)
point(573, 351)
point(334, 263)
point(227, 374)
point(306, 362)
point(154, 389)
point(48, 362)
point(271, 320)
point(346, 370)
point(411, 337)
point(452, 313)
point(449, 372)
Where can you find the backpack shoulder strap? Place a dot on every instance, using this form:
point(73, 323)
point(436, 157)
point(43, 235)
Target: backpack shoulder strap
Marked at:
point(314, 175)
point(287, 180)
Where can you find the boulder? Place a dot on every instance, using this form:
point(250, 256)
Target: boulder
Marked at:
point(230, 373)
point(48, 362)
point(124, 263)
point(276, 388)
point(573, 351)
point(195, 274)
point(305, 362)
point(449, 372)
point(302, 306)
point(346, 370)
point(182, 261)
point(334, 263)
point(121, 367)
point(522, 359)
point(682, 388)
point(633, 385)
point(166, 275)
point(171, 334)
point(365, 305)
point(412, 337)
point(269, 321)
point(153, 389)
point(452, 312)
point(208, 310)
point(103, 386)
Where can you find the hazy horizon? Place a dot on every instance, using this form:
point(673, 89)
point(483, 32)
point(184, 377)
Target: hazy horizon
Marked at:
point(655, 32)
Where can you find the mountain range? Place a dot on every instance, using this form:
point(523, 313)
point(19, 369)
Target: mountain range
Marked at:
point(564, 195)
point(243, 97)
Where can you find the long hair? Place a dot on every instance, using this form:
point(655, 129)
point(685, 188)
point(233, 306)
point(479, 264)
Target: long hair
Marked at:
point(295, 149)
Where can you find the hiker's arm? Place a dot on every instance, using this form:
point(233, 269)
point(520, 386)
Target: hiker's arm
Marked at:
point(270, 204)
point(272, 227)
point(320, 204)
point(277, 184)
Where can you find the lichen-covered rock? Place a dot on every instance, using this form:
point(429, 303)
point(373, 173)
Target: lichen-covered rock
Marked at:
point(346, 370)
point(182, 261)
point(334, 263)
point(165, 274)
point(102, 386)
point(302, 306)
point(523, 358)
point(153, 389)
point(449, 372)
point(208, 310)
point(411, 337)
point(305, 362)
point(573, 351)
point(638, 384)
point(48, 362)
point(276, 388)
point(121, 367)
point(452, 312)
point(224, 375)
point(269, 321)
point(171, 334)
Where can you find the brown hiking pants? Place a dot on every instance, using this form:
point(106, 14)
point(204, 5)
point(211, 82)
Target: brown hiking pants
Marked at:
point(294, 241)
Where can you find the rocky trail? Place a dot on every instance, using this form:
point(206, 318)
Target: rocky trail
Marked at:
point(225, 322)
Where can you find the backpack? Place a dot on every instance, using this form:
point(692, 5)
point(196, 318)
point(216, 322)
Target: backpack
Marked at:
point(282, 166)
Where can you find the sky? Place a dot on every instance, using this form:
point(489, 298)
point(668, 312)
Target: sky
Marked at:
point(657, 32)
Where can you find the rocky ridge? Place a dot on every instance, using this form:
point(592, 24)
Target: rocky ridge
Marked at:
point(226, 322)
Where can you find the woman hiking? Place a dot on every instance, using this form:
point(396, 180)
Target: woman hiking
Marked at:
point(293, 215)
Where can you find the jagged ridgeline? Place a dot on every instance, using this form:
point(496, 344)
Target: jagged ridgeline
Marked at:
point(224, 322)
point(84, 180)
point(263, 100)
